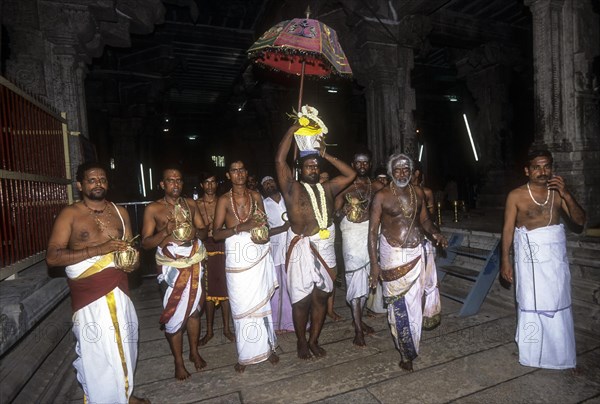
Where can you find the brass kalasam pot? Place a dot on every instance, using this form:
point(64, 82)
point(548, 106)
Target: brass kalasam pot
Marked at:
point(260, 235)
point(127, 260)
point(183, 232)
point(354, 214)
point(355, 210)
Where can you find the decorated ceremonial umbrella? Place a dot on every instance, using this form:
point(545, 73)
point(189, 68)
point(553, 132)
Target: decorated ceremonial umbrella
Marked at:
point(301, 47)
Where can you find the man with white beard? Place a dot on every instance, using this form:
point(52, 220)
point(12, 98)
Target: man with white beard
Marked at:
point(401, 212)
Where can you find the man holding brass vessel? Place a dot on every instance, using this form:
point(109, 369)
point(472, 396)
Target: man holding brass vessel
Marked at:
point(251, 278)
point(174, 226)
point(86, 238)
point(310, 260)
point(352, 205)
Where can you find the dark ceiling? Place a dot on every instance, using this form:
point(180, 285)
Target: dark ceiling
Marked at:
point(193, 63)
point(193, 69)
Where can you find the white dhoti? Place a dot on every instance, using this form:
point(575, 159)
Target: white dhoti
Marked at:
point(251, 281)
point(356, 258)
point(545, 331)
point(375, 300)
point(181, 271)
point(401, 269)
point(432, 307)
point(107, 337)
point(309, 260)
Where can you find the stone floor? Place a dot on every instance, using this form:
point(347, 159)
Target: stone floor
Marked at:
point(466, 360)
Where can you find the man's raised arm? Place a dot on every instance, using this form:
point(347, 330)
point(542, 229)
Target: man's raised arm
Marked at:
point(569, 204)
point(341, 182)
point(284, 173)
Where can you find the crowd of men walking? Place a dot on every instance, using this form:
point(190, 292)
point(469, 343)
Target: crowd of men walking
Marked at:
point(269, 262)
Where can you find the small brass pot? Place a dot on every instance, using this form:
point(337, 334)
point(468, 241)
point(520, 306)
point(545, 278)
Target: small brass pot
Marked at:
point(355, 213)
point(127, 260)
point(260, 235)
point(355, 210)
point(183, 232)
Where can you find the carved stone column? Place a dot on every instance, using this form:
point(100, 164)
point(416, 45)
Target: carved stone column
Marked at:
point(50, 42)
point(548, 61)
point(566, 42)
point(384, 68)
point(386, 127)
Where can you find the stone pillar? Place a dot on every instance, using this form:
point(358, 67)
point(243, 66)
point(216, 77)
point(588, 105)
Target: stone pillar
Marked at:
point(566, 36)
point(51, 42)
point(66, 85)
point(384, 68)
point(390, 103)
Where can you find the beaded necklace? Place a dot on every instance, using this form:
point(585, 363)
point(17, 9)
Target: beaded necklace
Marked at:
point(320, 214)
point(234, 206)
point(102, 225)
point(97, 212)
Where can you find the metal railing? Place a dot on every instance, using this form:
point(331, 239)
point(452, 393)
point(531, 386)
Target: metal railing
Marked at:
point(34, 177)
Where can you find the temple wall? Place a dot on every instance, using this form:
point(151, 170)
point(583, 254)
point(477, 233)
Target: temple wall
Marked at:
point(566, 35)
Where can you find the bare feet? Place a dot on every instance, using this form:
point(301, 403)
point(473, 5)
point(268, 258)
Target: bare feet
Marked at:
point(229, 335)
point(303, 351)
point(359, 339)
point(576, 371)
point(206, 338)
point(239, 368)
point(317, 350)
point(273, 358)
point(406, 365)
point(181, 372)
point(137, 400)
point(199, 363)
point(334, 316)
point(368, 330)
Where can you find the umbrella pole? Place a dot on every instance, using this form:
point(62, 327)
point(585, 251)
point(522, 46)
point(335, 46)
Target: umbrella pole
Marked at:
point(301, 86)
point(299, 107)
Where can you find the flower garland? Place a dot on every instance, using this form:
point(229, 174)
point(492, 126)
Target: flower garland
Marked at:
point(320, 214)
